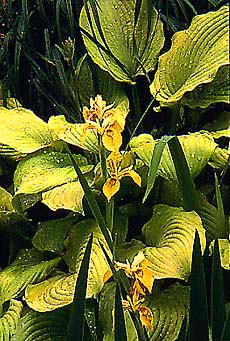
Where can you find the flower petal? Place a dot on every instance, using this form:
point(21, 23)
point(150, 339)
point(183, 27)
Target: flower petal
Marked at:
point(111, 187)
point(130, 172)
point(146, 316)
point(112, 139)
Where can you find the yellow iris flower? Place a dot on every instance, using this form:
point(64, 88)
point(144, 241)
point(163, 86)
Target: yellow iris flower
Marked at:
point(107, 121)
point(142, 282)
point(118, 168)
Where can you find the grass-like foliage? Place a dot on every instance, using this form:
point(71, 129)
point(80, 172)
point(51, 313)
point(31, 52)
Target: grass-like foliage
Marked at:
point(114, 170)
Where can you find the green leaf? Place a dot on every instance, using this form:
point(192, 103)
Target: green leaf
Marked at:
point(68, 196)
point(168, 307)
point(170, 234)
point(9, 320)
point(218, 314)
point(22, 132)
point(27, 268)
point(5, 200)
point(225, 334)
point(127, 250)
point(106, 315)
point(50, 235)
point(197, 148)
point(143, 146)
point(90, 197)
point(155, 161)
point(119, 320)
point(208, 93)
point(11, 103)
point(91, 81)
point(220, 127)
point(74, 133)
point(34, 326)
point(51, 174)
point(194, 59)
point(75, 330)
point(213, 220)
point(119, 46)
point(184, 178)
point(220, 158)
point(45, 171)
point(198, 317)
point(58, 291)
point(224, 247)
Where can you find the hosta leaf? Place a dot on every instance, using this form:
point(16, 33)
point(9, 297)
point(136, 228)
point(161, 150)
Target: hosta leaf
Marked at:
point(45, 171)
point(216, 91)
point(5, 200)
point(219, 158)
point(9, 321)
point(68, 196)
point(221, 126)
point(213, 221)
point(143, 146)
point(224, 247)
point(24, 270)
point(53, 293)
point(16, 227)
point(197, 147)
point(59, 291)
point(170, 233)
point(74, 133)
point(110, 90)
point(22, 132)
point(34, 326)
point(51, 234)
point(169, 309)
point(194, 59)
point(121, 48)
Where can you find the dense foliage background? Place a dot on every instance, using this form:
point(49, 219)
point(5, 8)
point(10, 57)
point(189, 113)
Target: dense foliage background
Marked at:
point(45, 64)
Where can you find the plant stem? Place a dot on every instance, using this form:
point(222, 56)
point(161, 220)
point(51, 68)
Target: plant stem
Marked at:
point(136, 104)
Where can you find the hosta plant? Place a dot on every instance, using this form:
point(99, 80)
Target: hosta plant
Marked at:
point(118, 279)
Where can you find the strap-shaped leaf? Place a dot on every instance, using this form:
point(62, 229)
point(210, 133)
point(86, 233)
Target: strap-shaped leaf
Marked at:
point(34, 326)
point(74, 133)
point(24, 270)
point(170, 232)
point(197, 147)
point(194, 59)
point(121, 47)
point(9, 320)
point(22, 132)
point(58, 291)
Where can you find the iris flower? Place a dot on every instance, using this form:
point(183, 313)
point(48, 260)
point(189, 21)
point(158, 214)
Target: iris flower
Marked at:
point(142, 282)
point(109, 122)
point(118, 166)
